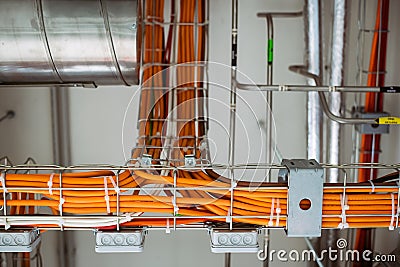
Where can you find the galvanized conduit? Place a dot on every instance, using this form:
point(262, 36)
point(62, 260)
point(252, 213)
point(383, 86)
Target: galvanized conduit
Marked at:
point(342, 120)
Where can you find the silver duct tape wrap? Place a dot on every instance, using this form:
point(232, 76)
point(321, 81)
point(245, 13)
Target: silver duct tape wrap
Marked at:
point(313, 52)
point(314, 126)
point(337, 65)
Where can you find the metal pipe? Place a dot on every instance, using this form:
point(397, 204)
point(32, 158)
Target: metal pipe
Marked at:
point(302, 70)
point(269, 152)
point(341, 120)
point(313, 58)
point(337, 67)
point(268, 125)
point(318, 88)
point(62, 156)
point(227, 260)
point(336, 78)
point(281, 14)
point(45, 41)
point(314, 66)
point(311, 247)
point(232, 122)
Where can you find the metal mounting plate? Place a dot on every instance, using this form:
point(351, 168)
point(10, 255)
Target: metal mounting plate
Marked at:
point(371, 128)
point(306, 180)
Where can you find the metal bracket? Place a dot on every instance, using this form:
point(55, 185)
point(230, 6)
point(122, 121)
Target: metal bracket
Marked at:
point(19, 240)
point(145, 160)
point(370, 128)
point(234, 241)
point(190, 161)
point(305, 195)
point(123, 241)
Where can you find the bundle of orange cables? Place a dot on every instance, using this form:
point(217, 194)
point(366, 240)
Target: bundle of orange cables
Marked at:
point(104, 193)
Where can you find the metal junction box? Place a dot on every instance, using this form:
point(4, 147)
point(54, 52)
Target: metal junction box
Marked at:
point(305, 195)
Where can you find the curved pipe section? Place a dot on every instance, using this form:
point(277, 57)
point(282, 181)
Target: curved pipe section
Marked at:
point(45, 41)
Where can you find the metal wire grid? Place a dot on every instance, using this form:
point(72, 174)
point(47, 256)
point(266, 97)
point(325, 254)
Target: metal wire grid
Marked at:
point(88, 222)
point(365, 33)
point(169, 82)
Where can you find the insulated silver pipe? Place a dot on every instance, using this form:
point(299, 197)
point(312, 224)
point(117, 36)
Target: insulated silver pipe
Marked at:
point(336, 79)
point(56, 42)
point(313, 63)
point(313, 59)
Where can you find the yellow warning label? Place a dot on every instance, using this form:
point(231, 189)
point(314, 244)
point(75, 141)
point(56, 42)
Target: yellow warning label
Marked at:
point(388, 120)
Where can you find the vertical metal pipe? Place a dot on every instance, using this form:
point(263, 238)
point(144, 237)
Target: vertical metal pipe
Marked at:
point(313, 62)
point(313, 58)
point(62, 156)
point(269, 150)
point(227, 262)
point(268, 131)
point(60, 126)
point(336, 79)
point(232, 124)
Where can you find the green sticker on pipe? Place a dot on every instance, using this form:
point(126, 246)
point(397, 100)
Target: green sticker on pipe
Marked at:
point(270, 50)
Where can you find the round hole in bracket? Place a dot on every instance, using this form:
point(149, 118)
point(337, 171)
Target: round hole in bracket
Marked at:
point(305, 204)
point(375, 125)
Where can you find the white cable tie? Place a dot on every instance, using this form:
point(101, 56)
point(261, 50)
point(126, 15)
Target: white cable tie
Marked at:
point(233, 186)
point(343, 203)
point(271, 216)
point(7, 225)
point(167, 229)
point(106, 196)
point(391, 227)
point(50, 184)
point(372, 186)
point(228, 216)
point(61, 222)
point(278, 212)
point(128, 217)
point(3, 182)
point(176, 208)
point(62, 201)
point(114, 185)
